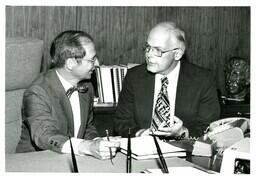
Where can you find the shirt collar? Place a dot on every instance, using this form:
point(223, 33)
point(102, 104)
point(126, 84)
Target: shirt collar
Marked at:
point(64, 82)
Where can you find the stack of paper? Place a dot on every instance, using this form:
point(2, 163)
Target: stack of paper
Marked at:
point(144, 148)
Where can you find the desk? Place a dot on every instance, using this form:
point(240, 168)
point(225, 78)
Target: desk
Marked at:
point(48, 161)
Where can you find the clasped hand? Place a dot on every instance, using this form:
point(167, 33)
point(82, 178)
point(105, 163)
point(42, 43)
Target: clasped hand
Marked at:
point(99, 147)
point(164, 130)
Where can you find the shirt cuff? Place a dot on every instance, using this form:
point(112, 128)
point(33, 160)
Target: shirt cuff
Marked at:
point(139, 132)
point(75, 143)
point(184, 133)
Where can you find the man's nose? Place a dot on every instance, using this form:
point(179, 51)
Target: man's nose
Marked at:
point(149, 54)
point(96, 63)
point(93, 66)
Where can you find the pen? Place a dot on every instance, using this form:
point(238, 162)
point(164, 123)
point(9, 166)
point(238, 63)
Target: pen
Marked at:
point(129, 157)
point(110, 151)
point(71, 146)
point(73, 157)
point(165, 169)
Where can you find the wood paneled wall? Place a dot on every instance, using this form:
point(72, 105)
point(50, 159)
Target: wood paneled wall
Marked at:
point(213, 34)
point(39, 22)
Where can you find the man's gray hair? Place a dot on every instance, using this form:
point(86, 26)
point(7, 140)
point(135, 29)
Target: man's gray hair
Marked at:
point(172, 28)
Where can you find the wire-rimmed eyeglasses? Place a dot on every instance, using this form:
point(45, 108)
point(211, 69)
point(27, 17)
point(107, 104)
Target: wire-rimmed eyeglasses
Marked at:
point(156, 51)
point(91, 60)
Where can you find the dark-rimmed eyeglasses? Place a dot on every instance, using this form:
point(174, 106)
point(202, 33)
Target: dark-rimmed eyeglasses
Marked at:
point(156, 51)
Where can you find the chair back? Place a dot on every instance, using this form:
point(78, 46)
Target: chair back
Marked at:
point(22, 65)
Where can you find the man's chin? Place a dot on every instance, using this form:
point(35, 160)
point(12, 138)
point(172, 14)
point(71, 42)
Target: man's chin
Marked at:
point(87, 77)
point(151, 69)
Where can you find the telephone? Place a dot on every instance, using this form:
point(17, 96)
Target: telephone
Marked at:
point(220, 135)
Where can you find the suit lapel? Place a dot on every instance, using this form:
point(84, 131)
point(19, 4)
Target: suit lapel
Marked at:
point(149, 94)
point(183, 86)
point(146, 96)
point(83, 98)
point(61, 97)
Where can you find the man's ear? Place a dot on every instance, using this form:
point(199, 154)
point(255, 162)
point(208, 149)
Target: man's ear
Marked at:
point(70, 63)
point(178, 54)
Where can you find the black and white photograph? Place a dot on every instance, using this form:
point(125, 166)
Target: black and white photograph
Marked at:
point(128, 87)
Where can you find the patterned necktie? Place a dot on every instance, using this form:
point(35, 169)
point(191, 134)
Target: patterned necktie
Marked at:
point(162, 106)
point(79, 88)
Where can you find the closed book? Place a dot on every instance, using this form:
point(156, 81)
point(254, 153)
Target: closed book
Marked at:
point(144, 148)
point(99, 84)
point(106, 81)
point(115, 83)
point(109, 82)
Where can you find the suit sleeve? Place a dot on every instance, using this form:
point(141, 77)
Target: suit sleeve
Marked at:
point(124, 118)
point(209, 108)
point(37, 113)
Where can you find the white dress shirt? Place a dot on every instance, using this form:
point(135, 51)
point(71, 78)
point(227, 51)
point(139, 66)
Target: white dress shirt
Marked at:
point(75, 105)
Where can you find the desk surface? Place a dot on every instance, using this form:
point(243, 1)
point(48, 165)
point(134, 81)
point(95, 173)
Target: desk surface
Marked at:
point(48, 161)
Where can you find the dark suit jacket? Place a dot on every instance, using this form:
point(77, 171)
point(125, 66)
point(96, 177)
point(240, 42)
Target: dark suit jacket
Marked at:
point(48, 118)
point(196, 100)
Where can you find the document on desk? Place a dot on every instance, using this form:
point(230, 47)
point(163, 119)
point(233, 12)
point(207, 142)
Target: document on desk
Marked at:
point(178, 170)
point(144, 148)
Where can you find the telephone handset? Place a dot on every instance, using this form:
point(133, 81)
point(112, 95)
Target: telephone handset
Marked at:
point(228, 123)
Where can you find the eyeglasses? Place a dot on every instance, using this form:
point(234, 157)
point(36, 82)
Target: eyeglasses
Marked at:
point(156, 51)
point(91, 60)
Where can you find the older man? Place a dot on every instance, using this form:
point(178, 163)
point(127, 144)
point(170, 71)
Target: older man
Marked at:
point(58, 105)
point(166, 96)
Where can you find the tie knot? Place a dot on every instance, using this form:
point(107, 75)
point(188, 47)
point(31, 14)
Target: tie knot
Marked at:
point(164, 81)
point(79, 88)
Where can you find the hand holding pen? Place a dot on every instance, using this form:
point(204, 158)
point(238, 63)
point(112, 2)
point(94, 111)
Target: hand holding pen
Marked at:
point(110, 151)
point(100, 147)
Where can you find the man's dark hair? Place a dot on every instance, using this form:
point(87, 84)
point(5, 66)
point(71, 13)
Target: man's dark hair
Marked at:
point(68, 44)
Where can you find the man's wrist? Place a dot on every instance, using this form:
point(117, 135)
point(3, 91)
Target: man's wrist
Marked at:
point(75, 144)
point(184, 133)
point(139, 132)
point(84, 147)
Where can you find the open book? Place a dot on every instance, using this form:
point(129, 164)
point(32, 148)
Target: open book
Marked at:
point(144, 148)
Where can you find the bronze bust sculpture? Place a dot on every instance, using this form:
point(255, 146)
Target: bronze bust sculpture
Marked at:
point(237, 79)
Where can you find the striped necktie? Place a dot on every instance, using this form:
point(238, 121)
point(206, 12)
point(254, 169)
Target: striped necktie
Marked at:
point(162, 107)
